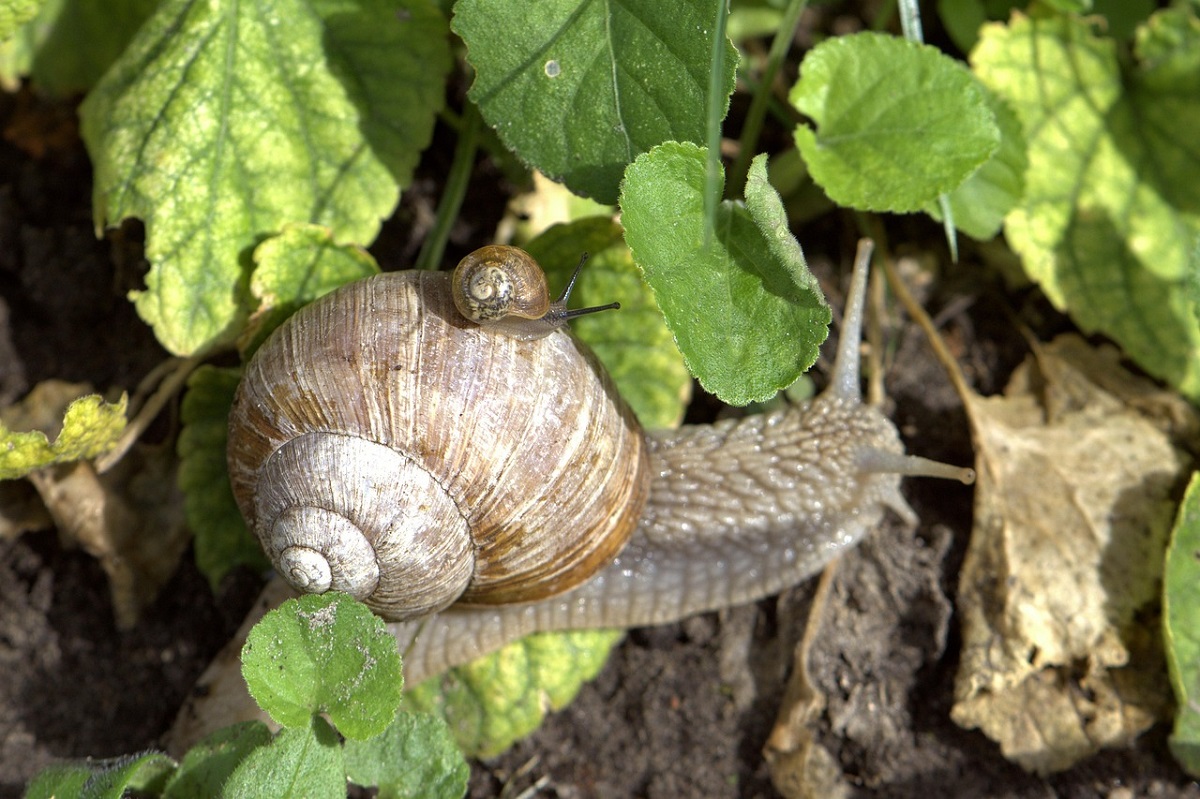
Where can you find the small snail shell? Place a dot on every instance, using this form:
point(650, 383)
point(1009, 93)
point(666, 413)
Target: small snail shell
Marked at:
point(383, 445)
point(497, 281)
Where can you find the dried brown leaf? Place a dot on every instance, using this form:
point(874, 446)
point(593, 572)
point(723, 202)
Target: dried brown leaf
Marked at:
point(1076, 472)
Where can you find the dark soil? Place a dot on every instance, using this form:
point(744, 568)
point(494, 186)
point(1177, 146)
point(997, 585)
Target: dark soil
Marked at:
point(680, 711)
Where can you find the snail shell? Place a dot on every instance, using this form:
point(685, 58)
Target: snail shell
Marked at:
point(382, 445)
point(498, 281)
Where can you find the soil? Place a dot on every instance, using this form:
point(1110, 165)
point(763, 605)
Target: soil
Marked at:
point(679, 711)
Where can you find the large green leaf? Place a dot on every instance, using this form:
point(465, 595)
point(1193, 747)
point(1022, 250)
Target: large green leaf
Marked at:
point(207, 766)
point(301, 763)
point(897, 123)
point(294, 268)
point(580, 88)
point(1112, 200)
point(144, 773)
point(223, 121)
point(415, 757)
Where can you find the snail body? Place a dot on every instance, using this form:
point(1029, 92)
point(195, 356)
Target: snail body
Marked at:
point(548, 506)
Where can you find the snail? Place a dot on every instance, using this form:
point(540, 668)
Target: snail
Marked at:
point(474, 481)
point(504, 289)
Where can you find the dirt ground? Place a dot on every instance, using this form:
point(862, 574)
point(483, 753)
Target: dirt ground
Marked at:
point(679, 711)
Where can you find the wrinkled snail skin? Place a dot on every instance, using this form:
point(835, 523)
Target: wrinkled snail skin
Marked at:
point(488, 431)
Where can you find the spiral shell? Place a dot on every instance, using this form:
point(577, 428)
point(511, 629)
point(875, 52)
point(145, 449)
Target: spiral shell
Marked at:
point(384, 446)
point(498, 281)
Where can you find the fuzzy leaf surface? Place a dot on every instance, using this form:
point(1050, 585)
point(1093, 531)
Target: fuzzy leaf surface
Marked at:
point(301, 763)
point(416, 757)
point(207, 766)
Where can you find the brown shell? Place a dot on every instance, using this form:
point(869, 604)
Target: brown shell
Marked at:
point(497, 281)
point(529, 439)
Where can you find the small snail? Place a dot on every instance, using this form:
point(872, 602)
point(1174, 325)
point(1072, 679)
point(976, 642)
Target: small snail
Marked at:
point(384, 445)
point(504, 289)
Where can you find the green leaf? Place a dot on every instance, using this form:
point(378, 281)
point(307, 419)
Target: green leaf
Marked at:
point(103, 779)
point(207, 766)
point(898, 123)
point(324, 653)
point(14, 14)
point(222, 541)
point(294, 268)
point(1181, 627)
point(499, 699)
point(224, 121)
point(90, 427)
point(980, 204)
point(580, 88)
point(633, 342)
point(301, 763)
point(415, 757)
point(70, 43)
point(1112, 199)
point(745, 312)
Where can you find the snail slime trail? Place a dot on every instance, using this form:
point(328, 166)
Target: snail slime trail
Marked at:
point(369, 403)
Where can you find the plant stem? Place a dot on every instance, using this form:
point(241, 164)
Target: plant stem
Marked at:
point(910, 21)
point(762, 93)
point(716, 71)
point(457, 181)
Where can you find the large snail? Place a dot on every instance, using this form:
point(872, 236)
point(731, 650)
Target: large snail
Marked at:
point(383, 444)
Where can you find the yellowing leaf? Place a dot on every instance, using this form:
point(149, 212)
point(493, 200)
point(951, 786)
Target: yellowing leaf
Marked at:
point(89, 427)
point(1111, 207)
point(221, 122)
point(498, 699)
